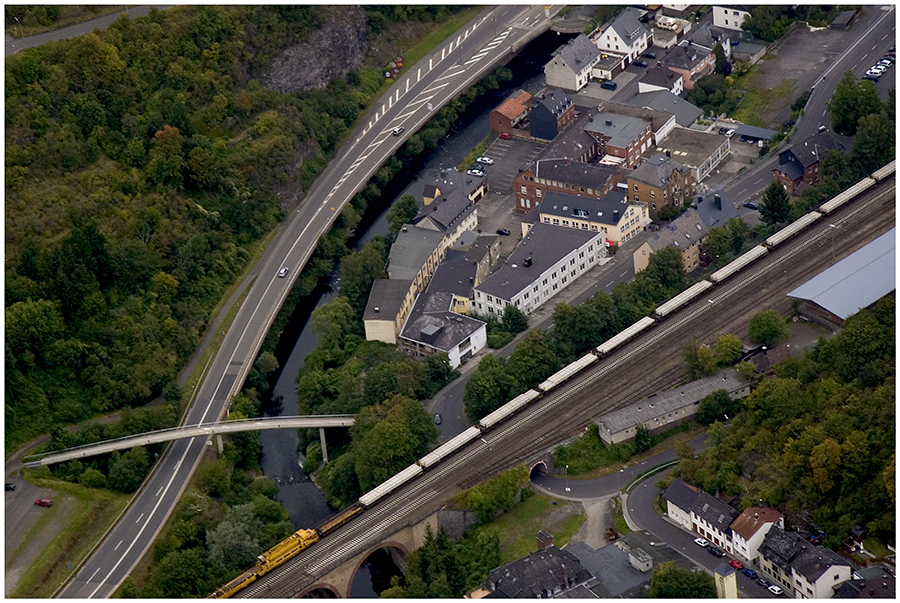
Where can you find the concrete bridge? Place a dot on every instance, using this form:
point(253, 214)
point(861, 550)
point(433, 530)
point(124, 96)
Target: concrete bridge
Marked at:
point(190, 431)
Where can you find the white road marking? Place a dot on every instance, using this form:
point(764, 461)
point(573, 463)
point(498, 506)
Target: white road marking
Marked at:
point(139, 518)
point(158, 491)
point(115, 549)
point(421, 100)
point(419, 74)
point(436, 88)
point(94, 574)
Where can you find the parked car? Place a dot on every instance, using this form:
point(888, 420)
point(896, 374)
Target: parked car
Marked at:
point(503, 231)
point(715, 552)
point(44, 502)
point(888, 59)
point(475, 172)
point(751, 205)
point(736, 564)
point(885, 63)
point(763, 582)
point(872, 78)
point(640, 63)
point(776, 591)
point(397, 131)
point(485, 160)
point(504, 136)
point(749, 573)
point(283, 272)
point(701, 542)
point(10, 487)
point(437, 418)
point(608, 85)
point(649, 55)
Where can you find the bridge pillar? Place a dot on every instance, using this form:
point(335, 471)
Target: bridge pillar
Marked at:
point(324, 448)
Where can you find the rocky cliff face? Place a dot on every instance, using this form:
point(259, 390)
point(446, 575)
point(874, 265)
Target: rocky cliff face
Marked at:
point(330, 52)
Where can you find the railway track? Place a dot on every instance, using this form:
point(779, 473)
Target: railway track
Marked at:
point(607, 385)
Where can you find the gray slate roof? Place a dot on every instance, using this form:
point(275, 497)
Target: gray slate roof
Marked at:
point(578, 53)
point(663, 100)
point(657, 170)
point(660, 76)
point(556, 102)
point(455, 274)
point(681, 232)
point(572, 142)
point(669, 401)
point(622, 130)
point(628, 26)
point(714, 511)
point(754, 132)
point(585, 208)
point(536, 574)
point(657, 118)
point(410, 250)
point(790, 550)
point(573, 172)
point(680, 494)
point(857, 281)
point(712, 216)
point(685, 56)
point(813, 149)
point(545, 244)
point(611, 568)
point(432, 322)
point(387, 296)
point(446, 211)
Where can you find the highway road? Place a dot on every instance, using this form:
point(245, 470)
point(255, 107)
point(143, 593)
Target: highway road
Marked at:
point(636, 369)
point(410, 102)
point(875, 39)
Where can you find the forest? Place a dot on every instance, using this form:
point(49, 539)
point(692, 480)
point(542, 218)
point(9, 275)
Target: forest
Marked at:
point(817, 440)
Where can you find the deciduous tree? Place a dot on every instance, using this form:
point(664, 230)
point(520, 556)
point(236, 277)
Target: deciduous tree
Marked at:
point(670, 581)
point(768, 327)
point(402, 212)
point(775, 207)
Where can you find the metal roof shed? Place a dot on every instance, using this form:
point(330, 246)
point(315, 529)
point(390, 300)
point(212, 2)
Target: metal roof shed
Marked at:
point(754, 133)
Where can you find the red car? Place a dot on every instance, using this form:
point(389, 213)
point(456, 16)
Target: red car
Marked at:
point(736, 564)
point(43, 502)
point(504, 136)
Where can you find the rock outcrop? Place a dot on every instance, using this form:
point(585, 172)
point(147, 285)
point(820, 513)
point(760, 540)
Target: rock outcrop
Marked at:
point(331, 51)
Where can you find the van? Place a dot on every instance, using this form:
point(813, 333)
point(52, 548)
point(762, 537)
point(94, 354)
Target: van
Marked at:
point(608, 85)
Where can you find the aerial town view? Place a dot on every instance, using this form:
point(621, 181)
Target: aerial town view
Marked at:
point(450, 301)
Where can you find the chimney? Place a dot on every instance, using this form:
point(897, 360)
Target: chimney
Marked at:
point(376, 308)
point(608, 122)
point(668, 153)
point(544, 540)
point(527, 262)
point(616, 215)
point(718, 202)
point(699, 199)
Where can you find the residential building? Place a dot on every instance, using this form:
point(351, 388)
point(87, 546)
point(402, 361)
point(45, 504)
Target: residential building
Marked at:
point(661, 78)
point(622, 139)
point(611, 216)
point(730, 17)
point(685, 113)
point(680, 497)
point(540, 575)
point(387, 308)
point(667, 409)
point(608, 66)
point(715, 208)
point(415, 255)
point(450, 214)
point(467, 263)
point(551, 114)
point(800, 163)
point(510, 112)
point(749, 52)
point(856, 282)
point(708, 36)
point(571, 65)
point(561, 175)
point(868, 583)
point(699, 151)
point(684, 233)
point(544, 262)
point(700, 513)
point(472, 187)
point(661, 123)
point(801, 568)
point(661, 182)
point(691, 61)
point(626, 35)
point(749, 530)
point(433, 327)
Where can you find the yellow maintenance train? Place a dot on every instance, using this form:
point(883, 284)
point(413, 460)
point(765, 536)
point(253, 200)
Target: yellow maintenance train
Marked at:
point(284, 550)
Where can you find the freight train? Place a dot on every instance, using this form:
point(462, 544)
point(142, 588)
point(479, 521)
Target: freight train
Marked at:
point(302, 539)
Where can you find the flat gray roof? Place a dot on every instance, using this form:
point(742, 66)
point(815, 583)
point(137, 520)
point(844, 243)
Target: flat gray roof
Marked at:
point(662, 100)
point(657, 118)
point(622, 130)
point(691, 147)
point(585, 208)
point(681, 232)
point(545, 244)
point(857, 281)
point(431, 317)
point(410, 250)
point(386, 296)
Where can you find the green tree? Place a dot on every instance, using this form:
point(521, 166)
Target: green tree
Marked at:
point(233, 544)
point(775, 206)
point(825, 460)
point(739, 232)
point(388, 448)
point(851, 101)
point(670, 581)
point(532, 360)
point(873, 146)
point(359, 270)
point(489, 387)
point(717, 243)
point(642, 439)
point(402, 212)
point(179, 575)
point(728, 349)
point(128, 470)
point(699, 360)
point(33, 325)
point(514, 320)
point(768, 327)
point(717, 406)
point(437, 374)
point(166, 165)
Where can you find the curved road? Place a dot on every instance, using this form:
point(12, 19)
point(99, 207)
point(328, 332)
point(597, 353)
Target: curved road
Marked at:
point(413, 99)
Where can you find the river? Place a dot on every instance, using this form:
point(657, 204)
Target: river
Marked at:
point(281, 460)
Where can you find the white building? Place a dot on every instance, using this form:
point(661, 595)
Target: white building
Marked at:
point(571, 65)
point(545, 262)
point(730, 17)
point(626, 35)
point(749, 530)
point(433, 327)
point(804, 570)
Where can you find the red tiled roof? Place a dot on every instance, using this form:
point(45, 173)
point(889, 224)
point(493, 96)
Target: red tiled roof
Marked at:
point(511, 108)
point(752, 519)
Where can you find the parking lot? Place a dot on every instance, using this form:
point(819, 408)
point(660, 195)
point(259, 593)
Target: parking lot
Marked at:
point(509, 157)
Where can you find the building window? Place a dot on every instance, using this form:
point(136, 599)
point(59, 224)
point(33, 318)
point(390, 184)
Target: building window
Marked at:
point(555, 286)
point(535, 288)
point(538, 193)
point(635, 186)
point(572, 262)
point(524, 189)
point(526, 296)
point(545, 282)
point(553, 275)
point(546, 220)
point(653, 194)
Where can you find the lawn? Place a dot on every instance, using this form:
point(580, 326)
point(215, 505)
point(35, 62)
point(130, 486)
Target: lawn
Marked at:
point(517, 529)
point(758, 103)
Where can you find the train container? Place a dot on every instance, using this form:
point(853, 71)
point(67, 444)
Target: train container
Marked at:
point(613, 342)
point(448, 448)
point(683, 298)
point(841, 199)
point(884, 172)
point(339, 519)
point(389, 485)
point(509, 408)
point(791, 229)
point(284, 550)
point(567, 372)
point(738, 264)
point(242, 581)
